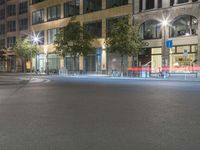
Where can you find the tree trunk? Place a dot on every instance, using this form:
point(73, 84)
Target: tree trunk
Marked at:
point(24, 64)
point(74, 66)
point(122, 65)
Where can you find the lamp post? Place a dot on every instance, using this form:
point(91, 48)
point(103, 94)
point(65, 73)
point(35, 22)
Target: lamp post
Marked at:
point(46, 61)
point(35, 41)
point(165, 59)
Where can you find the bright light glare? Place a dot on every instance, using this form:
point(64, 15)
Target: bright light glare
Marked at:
point(187, 34)
point(36, 38)
point(165, 23)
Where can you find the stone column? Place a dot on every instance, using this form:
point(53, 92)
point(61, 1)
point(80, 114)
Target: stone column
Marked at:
point(81, 64)
point(62, 62)
point(103, 5)
point(129, 1)
point(104, 27)
point(62, 10)
point(190, 1)
point(103, 60)
point(198, 49)
point(155, 4)
point(45, 15)
point(165, 51)
point(81, 7)
point(143, 4)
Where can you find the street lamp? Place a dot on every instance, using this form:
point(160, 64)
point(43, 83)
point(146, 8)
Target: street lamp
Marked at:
point(36, 39)
point(165, 56)
point(46, 61)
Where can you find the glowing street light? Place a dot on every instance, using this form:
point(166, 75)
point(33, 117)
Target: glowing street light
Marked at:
point(36, 39)
point(164, 24)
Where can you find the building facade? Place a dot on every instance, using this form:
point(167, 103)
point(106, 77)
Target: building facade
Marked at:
point(162, 21)
point(97, 16)
point(13, 24)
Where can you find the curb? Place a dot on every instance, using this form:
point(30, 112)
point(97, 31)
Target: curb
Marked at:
point(128, 78)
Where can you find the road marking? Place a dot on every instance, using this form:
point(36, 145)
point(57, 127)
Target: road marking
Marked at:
point(39, 80)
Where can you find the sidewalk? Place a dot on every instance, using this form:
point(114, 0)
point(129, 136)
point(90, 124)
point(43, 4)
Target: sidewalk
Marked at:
point(133, 78)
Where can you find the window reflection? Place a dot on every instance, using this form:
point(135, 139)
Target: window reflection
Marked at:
point(150, 30)
point(184, 26)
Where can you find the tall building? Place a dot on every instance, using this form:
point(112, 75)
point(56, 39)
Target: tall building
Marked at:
point(13, 24)
point(97, 16)
point(166, 23)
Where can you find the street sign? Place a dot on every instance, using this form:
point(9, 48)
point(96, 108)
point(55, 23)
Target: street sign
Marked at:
point(169, 43)
point(185, 52)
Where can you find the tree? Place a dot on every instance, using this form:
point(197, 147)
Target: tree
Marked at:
point(73, 40)
point(25, 50)
point(2, 55)
point(124, 39)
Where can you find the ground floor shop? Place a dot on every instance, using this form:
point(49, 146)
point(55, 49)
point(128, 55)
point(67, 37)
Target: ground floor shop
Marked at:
point(180, 58)
point(98, 62)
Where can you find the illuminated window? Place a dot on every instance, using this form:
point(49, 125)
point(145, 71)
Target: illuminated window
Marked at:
point(150, 30)
point(184, 26)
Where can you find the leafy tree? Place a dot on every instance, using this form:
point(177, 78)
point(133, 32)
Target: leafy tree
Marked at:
point(73, 40)
point(124, 39)
point(2, 55)
point(25, 50)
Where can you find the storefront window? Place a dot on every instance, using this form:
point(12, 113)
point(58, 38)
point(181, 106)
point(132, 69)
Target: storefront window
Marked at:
point(194, 48)
point(156, 60)
point(53, 62)
point(181, 49)
point(178, 61)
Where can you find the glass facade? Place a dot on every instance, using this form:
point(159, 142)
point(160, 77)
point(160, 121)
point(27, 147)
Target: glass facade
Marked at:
point(23, 7)
point(52, 35)
point(2, 14)
point(11, 26)
point(11, 10)
point(150, 30)
point(178, 62)
point(23, 24)
point(94, 28)
point(110, 22)
point(184, 26)
point(156, 59)
point(2, 29)
point(36, 1)
point(11, 41)
point(115, 3)
point(149, 4)
point(39, 63)
point(53, 12)
point(53, 62)
point(69, 64)
point(91, 5)
point(38, 16)
point(71, 8)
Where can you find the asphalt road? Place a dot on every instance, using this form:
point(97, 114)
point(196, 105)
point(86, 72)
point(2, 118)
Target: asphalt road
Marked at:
point(51, 113)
